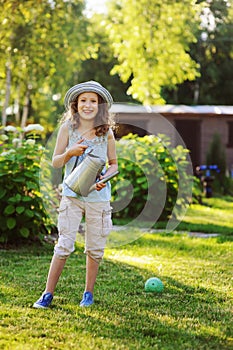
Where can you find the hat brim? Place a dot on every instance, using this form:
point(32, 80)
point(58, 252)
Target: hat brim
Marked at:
point(78, 89)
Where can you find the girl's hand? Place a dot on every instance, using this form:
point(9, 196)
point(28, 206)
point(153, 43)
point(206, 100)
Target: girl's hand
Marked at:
point(99, 186)
point(77, 149)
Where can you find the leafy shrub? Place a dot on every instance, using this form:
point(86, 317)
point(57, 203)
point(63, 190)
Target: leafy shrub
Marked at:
point(216, 155)
point(198, 195)
point(151, 176)
point(22, 213)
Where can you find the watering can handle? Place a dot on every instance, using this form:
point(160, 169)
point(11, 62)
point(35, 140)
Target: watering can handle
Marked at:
point(76, 161)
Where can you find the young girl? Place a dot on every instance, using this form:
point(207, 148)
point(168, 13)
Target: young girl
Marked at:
point(85, 125)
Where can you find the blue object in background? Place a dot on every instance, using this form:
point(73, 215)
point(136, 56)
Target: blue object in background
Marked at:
point(204, 174)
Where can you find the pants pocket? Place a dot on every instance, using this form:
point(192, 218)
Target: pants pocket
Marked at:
point(106, 222)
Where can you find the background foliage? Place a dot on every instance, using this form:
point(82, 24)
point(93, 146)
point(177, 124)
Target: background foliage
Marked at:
point(151, 41)
point(213, 51)
point(151, 170)
point(42, 45)
point(216, 154)
point(181, 54)
point(22, 212)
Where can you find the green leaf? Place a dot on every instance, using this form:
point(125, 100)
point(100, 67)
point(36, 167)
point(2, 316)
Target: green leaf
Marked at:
point(29, 213)
point(15, 199)
point(2, 194)
point(10, 209)
point(11, 223)
point(141, 180)
point(28, 174)
point(20, 210)
point(26, 199)
point(31, 185)
point(19, 179)
point(24, 232)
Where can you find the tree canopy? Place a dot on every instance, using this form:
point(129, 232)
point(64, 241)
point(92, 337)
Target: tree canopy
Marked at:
point(152, 52)
point(42, 45)
point(214, 52)
point(151, 40)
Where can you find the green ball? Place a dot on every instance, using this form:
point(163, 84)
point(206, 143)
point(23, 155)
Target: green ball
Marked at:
point(154, 284)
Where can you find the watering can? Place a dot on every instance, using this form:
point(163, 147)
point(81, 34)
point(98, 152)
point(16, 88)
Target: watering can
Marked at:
point(85, 174)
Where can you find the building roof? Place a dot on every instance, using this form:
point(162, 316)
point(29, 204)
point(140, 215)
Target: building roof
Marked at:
point(179, 109)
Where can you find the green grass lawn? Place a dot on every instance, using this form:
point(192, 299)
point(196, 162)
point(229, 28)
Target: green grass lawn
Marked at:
point(215, 215)
point(194, 311)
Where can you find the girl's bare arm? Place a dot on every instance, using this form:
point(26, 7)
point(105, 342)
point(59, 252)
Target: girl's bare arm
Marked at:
point(61, 154)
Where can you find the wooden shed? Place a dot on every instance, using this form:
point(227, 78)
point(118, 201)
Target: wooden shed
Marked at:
point(192, 125)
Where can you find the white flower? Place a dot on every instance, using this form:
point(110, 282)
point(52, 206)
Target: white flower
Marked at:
point(34, 127)
point(10, 128)
point(16, 142)
point(30, 142)
point(5, 154)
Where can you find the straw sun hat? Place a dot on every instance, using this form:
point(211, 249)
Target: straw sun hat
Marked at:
point(88, 86)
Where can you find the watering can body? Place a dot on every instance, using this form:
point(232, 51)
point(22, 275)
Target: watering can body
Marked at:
point(85, 174)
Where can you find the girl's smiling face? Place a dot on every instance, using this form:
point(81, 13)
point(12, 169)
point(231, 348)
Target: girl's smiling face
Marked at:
point(88, 105)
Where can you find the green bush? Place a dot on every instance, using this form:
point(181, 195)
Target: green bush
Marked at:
point(152, 174)
point(216, 155)
point(198, 195)
point(22, 213)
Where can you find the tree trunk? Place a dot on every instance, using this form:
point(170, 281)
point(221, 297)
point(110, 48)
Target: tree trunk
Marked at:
point(25, 109)
point(16, 107)
point(196, 93)
point(7, 95)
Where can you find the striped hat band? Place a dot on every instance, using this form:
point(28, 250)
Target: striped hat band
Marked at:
point(89, 86)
